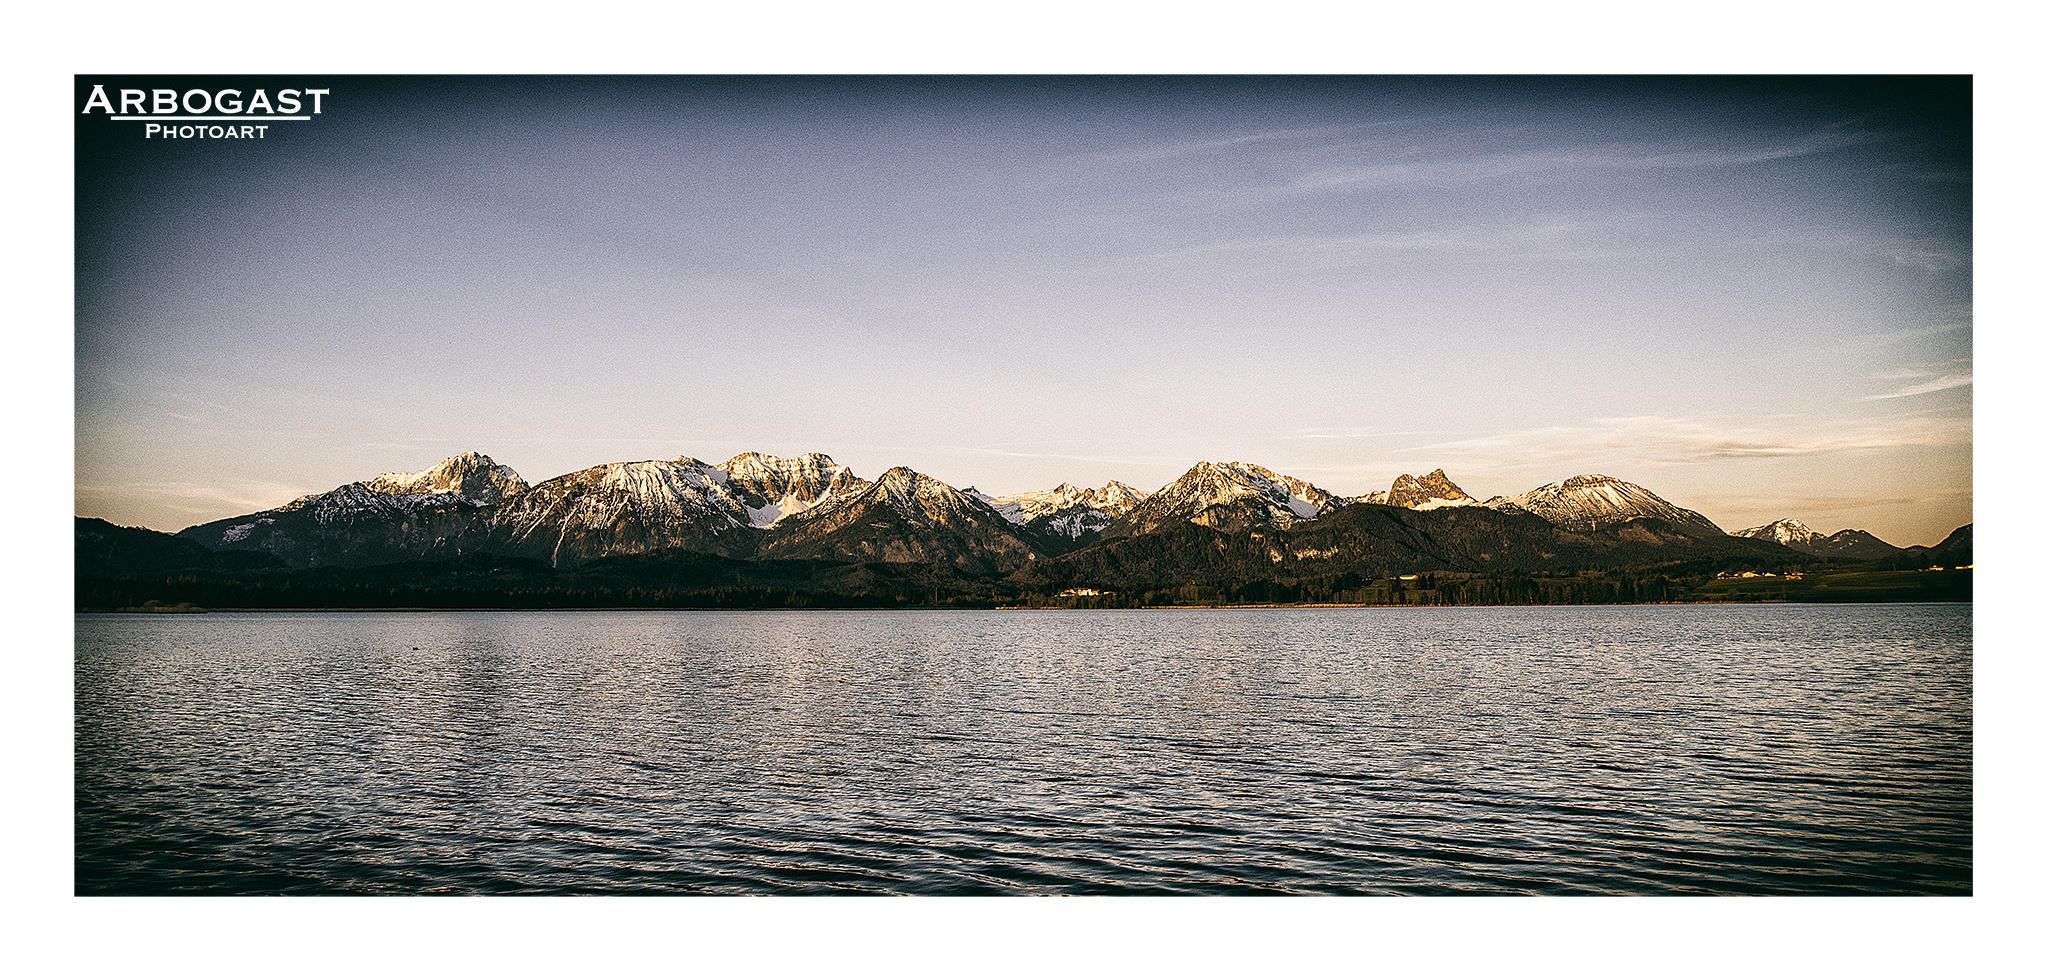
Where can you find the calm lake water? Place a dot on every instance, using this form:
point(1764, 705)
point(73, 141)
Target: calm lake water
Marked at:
point(1752, 749)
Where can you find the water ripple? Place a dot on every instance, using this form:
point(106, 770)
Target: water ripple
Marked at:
point(1637, 750)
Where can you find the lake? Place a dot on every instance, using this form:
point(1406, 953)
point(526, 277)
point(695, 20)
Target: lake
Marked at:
point(1667, 749)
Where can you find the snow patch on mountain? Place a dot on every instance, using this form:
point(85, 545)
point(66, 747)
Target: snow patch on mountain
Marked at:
point(236, 534)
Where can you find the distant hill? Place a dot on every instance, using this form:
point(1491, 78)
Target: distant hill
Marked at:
point(1956, 550)
point(1855, 544)
point(100, 547)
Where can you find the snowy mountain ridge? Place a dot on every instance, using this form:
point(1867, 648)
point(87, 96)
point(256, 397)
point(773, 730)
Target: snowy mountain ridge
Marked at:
point(1853, 544)
point(739, 508)
point(1067, 511)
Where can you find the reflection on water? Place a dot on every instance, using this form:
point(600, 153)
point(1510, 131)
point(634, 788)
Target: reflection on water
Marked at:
point(1726, 749)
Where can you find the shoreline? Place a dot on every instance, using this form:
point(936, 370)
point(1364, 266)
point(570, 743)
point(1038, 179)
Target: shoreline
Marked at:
point(1304, 606)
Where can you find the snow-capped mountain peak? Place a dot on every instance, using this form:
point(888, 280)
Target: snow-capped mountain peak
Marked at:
point(1585, 501)
point(923, 500)
point(904, 516)
point(1238, 480)
point(1789, 532)
point(1228, 495)
point(472, 475)
point(444, 510)
point(1854, 544)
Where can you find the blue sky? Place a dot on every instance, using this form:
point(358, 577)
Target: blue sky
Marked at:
point(1751, 296)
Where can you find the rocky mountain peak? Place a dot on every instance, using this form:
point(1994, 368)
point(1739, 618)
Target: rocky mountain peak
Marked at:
point(1116, 498)
point(919, 497)
point(1431, 491)
point(772, 488)
point(809, 463)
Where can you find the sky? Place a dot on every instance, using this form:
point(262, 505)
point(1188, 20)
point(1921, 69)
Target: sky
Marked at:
point(1750, 295)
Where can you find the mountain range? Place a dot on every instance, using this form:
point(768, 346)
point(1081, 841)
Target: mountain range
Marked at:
point(1220, 521)
point(1849, 544)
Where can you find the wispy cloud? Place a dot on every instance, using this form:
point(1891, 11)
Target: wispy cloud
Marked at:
point(1930, 253)
point(1850, 502)
point(1552, 238)
point(1189, 149)
point(1350, 433)
point(1040, 450)
point(1928, 331)
point(228, 497)
point(1446, 173)
point(1657, 440)
point(1942, 383)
